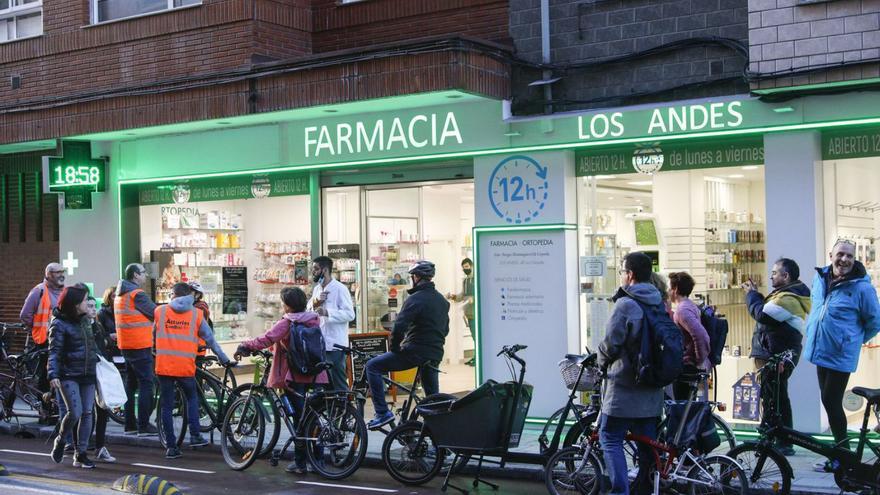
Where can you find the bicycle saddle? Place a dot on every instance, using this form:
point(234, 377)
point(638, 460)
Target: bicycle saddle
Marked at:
point(871, 394)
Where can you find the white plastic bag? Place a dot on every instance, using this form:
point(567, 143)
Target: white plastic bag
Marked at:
point(111, 390)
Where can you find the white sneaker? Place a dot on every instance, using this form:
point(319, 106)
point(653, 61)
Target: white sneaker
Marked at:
point(821, 466)
point(103, 455)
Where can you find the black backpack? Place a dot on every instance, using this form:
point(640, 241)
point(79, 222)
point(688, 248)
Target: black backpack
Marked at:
point(306, 349)
point(717, 327)
point(661, 353)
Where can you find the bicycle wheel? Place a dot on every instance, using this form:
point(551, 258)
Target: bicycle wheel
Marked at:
point(178, 416)
point(569, 471)
point(449, 461)
point(272, 418)
point(241, 436)
point(727, 436)
point(411, 455)
point(336, 439)
point(766, 469)
point(717, 474)
point(210, 392)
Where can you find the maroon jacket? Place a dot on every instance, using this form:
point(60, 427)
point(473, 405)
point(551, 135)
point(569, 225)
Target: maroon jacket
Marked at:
point(695, 337)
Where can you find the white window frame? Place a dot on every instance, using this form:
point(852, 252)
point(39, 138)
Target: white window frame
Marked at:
point(93, 14)
point(21, 10)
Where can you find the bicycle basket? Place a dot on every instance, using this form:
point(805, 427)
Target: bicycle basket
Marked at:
point(570, 369)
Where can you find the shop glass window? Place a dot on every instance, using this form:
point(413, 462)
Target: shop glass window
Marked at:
point(708, 222)
point(20, 19)
point(108, 10)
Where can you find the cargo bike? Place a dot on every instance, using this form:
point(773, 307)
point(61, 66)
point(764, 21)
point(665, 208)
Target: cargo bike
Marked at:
point(486, 423)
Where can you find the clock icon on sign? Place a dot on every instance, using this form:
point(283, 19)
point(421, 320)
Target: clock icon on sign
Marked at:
point(518, 189)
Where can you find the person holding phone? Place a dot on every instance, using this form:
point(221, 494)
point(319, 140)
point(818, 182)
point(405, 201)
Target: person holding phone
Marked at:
point(780, 320)
point(331, 300)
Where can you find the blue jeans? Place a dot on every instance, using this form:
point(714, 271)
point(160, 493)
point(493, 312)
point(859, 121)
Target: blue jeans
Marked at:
point(396, 361)
point(612, 433)
point(139, 369)
point(168, 395)
point(79, 400)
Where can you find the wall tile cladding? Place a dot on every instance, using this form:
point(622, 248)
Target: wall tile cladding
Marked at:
point(786, 36)
point(584, 31)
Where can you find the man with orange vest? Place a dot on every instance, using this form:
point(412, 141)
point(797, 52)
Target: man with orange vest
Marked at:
point(37, 311)
point(179, 326)
point(133, 312)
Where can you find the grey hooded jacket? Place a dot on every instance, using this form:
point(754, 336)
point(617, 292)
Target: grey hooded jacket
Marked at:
point(621, 396)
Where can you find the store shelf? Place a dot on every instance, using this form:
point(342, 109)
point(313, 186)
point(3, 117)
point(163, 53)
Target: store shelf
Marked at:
point(202, 228)
point(197, 248)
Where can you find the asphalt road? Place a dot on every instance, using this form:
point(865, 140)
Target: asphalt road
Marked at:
point(197, 472)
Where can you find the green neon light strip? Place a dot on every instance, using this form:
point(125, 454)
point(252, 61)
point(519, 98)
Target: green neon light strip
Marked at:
point(520, 149)
point(478, 348)
point(807, 87)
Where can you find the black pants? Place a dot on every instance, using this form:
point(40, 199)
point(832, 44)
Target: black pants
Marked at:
point(832, 386)
point(101, 427)
point(784, 400)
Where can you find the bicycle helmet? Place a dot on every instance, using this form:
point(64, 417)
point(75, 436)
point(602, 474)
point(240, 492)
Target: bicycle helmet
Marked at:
point(194, 285)
point(423, 268)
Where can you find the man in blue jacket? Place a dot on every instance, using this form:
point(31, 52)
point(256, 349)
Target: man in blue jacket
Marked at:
point(845, 314)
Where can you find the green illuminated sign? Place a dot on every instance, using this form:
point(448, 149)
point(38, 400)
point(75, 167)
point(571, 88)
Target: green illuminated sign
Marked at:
point(75, 174)
point(676, 155)
point(256, 186)
point(858, 142)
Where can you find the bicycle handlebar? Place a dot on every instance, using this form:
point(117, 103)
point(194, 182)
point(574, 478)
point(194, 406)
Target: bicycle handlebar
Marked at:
point(511, 350)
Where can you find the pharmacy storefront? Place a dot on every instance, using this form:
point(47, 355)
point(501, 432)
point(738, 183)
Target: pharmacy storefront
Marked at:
point(544, 209)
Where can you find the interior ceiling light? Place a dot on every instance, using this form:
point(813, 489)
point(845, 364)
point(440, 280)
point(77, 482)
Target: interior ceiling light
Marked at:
point(611, 198)
point(750, 167)
point(604, 177)
point(736, 176)
point(640, 183)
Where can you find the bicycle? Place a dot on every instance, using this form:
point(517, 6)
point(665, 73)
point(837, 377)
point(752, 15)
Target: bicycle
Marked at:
point(413, 452)
point(695, 380)
point(768, 469)
point(21, 384)
point(674, 465)
point(334, 434)
point(214, 394)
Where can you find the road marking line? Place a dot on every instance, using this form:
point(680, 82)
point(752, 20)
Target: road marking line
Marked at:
point(174, 468)
point(350, 487)
point(34, 490)
point(24, 452)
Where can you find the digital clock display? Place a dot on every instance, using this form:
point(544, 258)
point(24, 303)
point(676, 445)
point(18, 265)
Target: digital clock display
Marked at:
point(75, 176)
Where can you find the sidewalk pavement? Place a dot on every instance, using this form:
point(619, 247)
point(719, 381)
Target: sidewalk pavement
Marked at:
point(806, 481)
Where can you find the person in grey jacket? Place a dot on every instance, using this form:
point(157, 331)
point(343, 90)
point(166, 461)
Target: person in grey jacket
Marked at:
point(626, 405)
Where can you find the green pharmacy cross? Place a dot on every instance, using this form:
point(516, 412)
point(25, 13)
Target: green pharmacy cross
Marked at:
point(75, 174)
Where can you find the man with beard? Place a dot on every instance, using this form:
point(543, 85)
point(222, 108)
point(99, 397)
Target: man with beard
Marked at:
point(37, 310)
point(845, 315)
point(332, 301)
point(467, 297)
point(781, 320)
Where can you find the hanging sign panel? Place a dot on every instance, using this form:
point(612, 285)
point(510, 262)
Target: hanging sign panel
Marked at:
point(654, 157)
point(256, 186)
point(858, 142)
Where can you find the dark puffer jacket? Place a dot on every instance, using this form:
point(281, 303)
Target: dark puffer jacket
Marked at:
point(422, 324)
point(73, 352)
point(781, 320)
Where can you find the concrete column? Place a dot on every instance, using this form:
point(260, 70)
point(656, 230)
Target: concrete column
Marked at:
point(795, 229)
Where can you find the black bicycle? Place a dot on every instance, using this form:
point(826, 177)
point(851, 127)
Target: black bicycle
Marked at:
point(486, 423)
point(330, 426)
point(214, 394)
point(23, 383)
point(769, 470)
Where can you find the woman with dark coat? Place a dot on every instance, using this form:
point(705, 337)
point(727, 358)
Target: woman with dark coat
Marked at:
point(73, 354)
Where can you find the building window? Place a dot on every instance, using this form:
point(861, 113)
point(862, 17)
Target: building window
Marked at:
point(20, 19)
point(109, 10)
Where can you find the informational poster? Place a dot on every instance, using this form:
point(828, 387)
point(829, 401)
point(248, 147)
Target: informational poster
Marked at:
point(523, 301)
point(747, 398)
point(235, 290)
point(372, 344)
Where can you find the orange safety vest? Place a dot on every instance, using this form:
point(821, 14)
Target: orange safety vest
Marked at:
point(177, 341)
point(202, 343)
point(39, 330)
point(133, 329)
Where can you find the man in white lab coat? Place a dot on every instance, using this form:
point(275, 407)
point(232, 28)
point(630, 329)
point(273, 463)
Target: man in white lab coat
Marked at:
point(332, 301)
